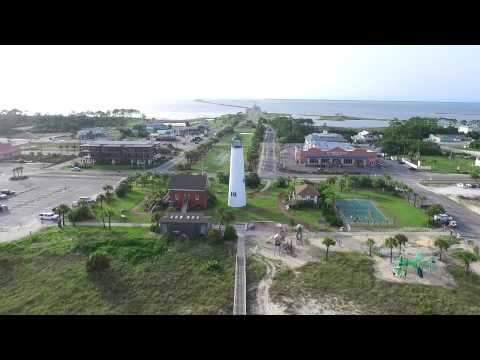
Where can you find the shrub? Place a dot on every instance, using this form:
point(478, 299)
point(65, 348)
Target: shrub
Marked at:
point(97, 262)
point(215, 234)
point(281, 182)
point(435, 209)
point(212, 266)
point(222, 178)
point(123, 189)
point(230, 234)
point(333, 219)
point(252, 180)
point(155, 228)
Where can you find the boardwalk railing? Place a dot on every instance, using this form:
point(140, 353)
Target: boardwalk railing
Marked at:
point(240, 294)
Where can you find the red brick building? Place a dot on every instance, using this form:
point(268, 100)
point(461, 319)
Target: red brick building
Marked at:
point(336, 157)
point(8, 151)
point(188, 190)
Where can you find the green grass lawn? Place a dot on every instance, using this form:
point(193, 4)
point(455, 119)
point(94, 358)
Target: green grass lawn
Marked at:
point(130, 205)
point(351, 276)
point(46, 274)
point(393, 207)
point(263, 206)
point(219, 158)
point(444, 165)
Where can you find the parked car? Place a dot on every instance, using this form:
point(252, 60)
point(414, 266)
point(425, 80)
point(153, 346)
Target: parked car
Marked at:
point(86, 199)
point(452, 223)
point(3, 196)
point(76, 168)
point(7, 192)
point(460, 185)
point(49, 216)
point(3, 208)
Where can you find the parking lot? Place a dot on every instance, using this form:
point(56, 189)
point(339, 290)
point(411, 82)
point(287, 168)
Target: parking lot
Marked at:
point(41, 192)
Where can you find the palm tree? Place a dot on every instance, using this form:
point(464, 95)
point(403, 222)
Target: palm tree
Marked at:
point(400, 240)
point(63, 210)
point(108, 191)
point(391, 243)
point(57, 211)
point(156, 216)
point(467, 257)
point(371, 244)
point(442, 244)
point(387, 178)
point(109, 213)
point(101, 198)
point(328, 242)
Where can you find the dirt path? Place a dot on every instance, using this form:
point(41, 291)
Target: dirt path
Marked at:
point(263, 305)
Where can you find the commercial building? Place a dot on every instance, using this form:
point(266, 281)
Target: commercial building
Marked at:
point(8, 151)
point(191, 224)
point(188, 192)
point(327, 150)
point(91, 133)
point(158, 128)
point(363, 137)
point(467, 129)
point(447, 138)
point(318, 140)
point(133, 153)
point(54, 146)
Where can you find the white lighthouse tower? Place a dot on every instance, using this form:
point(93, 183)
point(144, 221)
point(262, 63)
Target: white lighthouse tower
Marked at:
point(236, 183)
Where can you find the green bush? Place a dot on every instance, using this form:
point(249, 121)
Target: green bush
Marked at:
point(97, 262)
point(230, 234)
point(252, 180)
point(213, 266)
point(281, 182)
point(215, 234)
point(155, 228)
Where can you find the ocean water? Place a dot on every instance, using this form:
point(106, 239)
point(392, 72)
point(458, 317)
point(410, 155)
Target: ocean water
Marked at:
point(371, 111)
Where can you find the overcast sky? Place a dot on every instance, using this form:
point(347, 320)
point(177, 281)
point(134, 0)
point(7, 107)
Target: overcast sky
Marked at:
point(65, 78)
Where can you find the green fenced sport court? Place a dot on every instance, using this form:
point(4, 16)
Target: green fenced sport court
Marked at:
point(356, 211)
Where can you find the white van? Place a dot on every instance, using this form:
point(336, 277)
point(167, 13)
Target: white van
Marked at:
point(48, 216)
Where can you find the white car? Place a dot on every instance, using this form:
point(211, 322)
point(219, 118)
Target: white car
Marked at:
point(3, 196)
point(461, 185)
point(48, 216)
point(76, 168)
point(86, 199)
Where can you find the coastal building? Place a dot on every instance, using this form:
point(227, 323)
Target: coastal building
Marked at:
point(236, 182)
point(467, 129)
point(158, 128)
point(306, 193)
point(90, 133)
point(134, 153)
point(55, 146)
point(191, 224)
point(188, 192)
point(254, 113)
point(447, 138)
point(317, 140)
point(9, 151)
point(445, 123)
point(363, 136)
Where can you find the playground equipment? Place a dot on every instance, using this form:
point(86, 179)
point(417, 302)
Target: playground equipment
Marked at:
point(299, 233)
point(420, 264)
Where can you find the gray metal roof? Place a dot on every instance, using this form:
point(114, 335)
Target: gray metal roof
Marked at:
point(119, 143)
point(188, 182)
point(185, 218)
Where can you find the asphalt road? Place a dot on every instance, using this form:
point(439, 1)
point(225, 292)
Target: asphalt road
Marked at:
point(268, 163)
point(468, 221)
